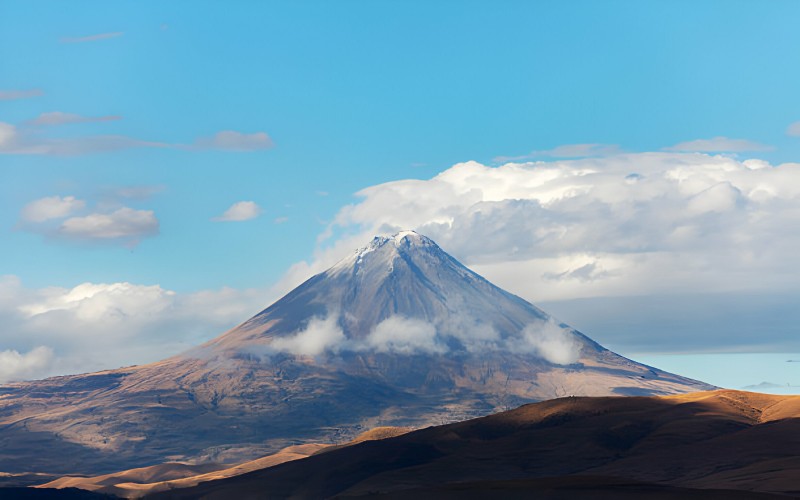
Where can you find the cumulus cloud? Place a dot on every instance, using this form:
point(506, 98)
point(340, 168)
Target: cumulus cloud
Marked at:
point(566, 151)
point(231, 140)
point(69, 218)
point(649, 224)
point(12, 95)
point(551, 342)
point(239, 211)
point(15, 366)
point(92, 38)
point(60, 118)
point(94, 326)
point(719, 145)
point(53, 207)
point(124, 224)
point(404, 336)
point(793, 129)
point(101, 301)
point(318, 336)
point(688, 220)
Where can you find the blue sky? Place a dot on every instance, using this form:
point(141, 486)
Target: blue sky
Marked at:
point(323, 99)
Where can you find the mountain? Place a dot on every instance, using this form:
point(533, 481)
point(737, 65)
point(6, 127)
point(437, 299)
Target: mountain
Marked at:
point(397, 334)
point(722, 444)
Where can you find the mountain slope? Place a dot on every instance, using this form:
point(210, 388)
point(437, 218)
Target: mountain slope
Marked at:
point(720, 444)
point(397, 334)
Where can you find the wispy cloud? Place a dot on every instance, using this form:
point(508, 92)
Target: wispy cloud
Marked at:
point(405, 336)
point(14, 140)
point(59, 118)
point(17, 140)
point(230, 140)
point(719, 145)
point(793, 129)
point(92, 38)
point(239, 211)
point(566, 151)
point(11, 95)
point(52, 207)
point(125, 224)
point(586, 273)
point(320, 335)
point(68, 218)
point(138, 192)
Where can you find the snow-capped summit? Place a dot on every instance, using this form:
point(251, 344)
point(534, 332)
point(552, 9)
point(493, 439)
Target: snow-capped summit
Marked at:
point(388, 247)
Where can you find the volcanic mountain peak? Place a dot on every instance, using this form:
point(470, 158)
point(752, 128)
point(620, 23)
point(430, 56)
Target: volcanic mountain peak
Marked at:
point(399, 333)
point(401, 287)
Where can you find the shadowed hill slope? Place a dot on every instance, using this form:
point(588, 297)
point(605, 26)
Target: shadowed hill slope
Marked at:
point(136, 483)
point(653, 447)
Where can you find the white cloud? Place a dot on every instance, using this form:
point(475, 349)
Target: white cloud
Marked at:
point(475, 335)
point(12, 95)
point(92, 38)
point(566, 151)
point(59, 118)
point(67, 218)
point(95, 326)
point(239, 211)
point(569, 229)
point(318, 336)
point(16, 366)
point(719, 145)
point(720, 198)
point(395, 334)
point(122, 224)
point(793, 129)
point(230, 140)
point(606, 232)
point(404, 336)
point(53, 207)
point(549, 341)
point(102, 302)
